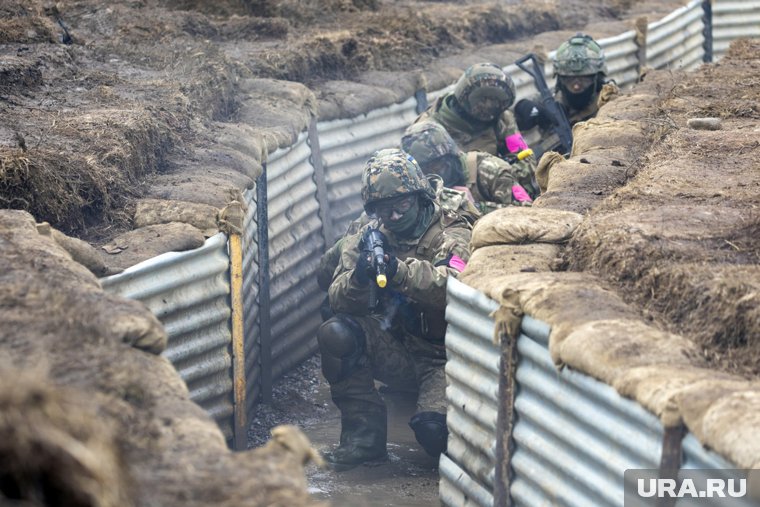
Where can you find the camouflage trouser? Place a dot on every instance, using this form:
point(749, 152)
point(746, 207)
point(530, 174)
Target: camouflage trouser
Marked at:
point(399, 360)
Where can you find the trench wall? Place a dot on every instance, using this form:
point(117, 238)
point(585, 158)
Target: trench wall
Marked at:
point(524, 433)
point(302, 203)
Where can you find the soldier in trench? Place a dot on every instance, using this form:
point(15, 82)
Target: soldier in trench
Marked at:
point(582, 87)
point(477, 116)
point(489, 181)
point(400, 340)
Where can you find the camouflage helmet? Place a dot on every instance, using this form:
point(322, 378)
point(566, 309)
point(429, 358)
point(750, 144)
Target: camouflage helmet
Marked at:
point(428, 140)
point(392, 173)
point(579, 56)
point(484, 81)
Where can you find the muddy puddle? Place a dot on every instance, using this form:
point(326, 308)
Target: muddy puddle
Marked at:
point(408, 478)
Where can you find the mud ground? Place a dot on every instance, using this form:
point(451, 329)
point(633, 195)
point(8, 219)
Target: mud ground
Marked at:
point(408, 478)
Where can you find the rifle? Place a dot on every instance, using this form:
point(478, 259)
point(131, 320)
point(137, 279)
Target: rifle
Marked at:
point(373, 248)
point(560, 124)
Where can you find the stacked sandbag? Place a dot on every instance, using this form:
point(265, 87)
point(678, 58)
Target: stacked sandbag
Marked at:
point(98, 415)
point(672, 232)
point(518, 239)
point(606, 152)
point(594, 331)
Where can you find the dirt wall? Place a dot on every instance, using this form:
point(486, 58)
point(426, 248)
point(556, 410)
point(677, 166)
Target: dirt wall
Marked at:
point(91, 415)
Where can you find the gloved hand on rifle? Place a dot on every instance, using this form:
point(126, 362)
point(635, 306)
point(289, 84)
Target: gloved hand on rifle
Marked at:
point(529, 114)
point(374, 261)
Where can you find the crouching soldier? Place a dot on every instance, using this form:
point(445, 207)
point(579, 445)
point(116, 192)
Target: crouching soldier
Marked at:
point(582, 87)
point(395, 333)
point(491, 181)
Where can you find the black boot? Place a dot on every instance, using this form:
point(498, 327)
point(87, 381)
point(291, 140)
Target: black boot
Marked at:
point(362, 439)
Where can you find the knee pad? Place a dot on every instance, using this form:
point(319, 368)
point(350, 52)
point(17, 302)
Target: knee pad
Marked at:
point(341, 345)
point(431, 431)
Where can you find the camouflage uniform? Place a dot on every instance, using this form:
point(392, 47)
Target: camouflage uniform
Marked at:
point(490, 180)
point(496, 180)
point(401, 341)
point(454, 110)
point(450, 200)
point(580, 56)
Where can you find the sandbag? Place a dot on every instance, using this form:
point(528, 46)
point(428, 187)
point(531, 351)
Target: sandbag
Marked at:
point(145, 243)
point(596, 134)
point(498, 260)
point(163, 211)
point(548, 159)
point(517, 225)
point(53, 439)
point(80, 251)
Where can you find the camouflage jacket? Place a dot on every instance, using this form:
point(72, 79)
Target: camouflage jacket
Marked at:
point(470, 136)
point(450, 200)
point(423, 268)
point(490, 180)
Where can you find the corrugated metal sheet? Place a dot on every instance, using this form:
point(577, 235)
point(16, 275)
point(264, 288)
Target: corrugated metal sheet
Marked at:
point(189, 293)
point(676, 40)
point(251, 303)
point(295, 247)
point(457, 489)
point(731, 20)
point(622, 59)
point(696, 456)
point(472, 392)
point(347, 145)
point(574, 436)
point(525, 87)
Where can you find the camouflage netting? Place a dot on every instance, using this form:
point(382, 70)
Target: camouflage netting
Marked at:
point(90, 415)
point(661, 300)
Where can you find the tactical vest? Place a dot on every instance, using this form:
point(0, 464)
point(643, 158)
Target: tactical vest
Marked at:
point(416, 319)
point(454, 200)
point(469, 135)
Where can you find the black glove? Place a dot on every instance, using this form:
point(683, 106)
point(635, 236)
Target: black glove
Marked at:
point(365, 271)
point(529, 114)
point(363, 268)
point(391, 263)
